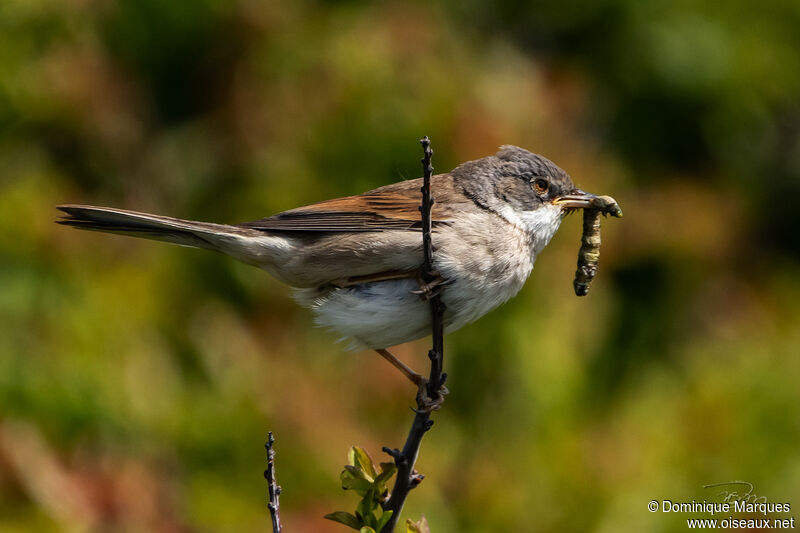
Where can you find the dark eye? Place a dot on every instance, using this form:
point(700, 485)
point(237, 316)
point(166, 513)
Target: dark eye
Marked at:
point(540, 185)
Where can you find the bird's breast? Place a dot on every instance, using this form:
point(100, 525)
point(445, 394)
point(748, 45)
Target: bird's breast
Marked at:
point(485, 260)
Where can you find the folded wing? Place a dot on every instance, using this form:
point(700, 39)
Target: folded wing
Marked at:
point(394, 207)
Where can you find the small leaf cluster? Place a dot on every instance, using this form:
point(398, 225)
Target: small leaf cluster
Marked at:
point(417, 527)
point(368, 482)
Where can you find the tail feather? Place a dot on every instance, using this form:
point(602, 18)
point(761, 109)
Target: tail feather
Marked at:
point(144, 225)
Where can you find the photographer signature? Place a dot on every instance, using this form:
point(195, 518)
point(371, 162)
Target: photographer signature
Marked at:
point(735, 495)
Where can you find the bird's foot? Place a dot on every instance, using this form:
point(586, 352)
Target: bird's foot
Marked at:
point(429, 289)
point(426, 403)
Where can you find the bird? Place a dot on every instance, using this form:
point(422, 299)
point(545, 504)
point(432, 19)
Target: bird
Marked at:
point(356, 261)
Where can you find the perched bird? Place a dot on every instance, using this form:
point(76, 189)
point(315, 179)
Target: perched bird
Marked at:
point(355, 261)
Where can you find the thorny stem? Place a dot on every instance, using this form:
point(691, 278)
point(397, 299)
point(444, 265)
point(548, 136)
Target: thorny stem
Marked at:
point(436, 355)
point(273, 487)
point(407, 477)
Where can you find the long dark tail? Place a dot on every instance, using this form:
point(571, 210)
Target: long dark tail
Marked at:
point(144, 225)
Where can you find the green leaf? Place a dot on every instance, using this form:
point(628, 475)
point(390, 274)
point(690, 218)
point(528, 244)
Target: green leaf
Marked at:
point(345, 518)
point(354, 481)
point(383, 520)
point(357, 472)
point(366, 506)
point(359, 458)
point(387, 471)
point(361, 486)
point(366, 529)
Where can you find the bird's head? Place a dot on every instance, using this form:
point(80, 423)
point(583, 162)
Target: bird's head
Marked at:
point(528, 190)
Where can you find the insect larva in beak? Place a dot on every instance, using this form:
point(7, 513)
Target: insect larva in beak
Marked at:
point(589, 254)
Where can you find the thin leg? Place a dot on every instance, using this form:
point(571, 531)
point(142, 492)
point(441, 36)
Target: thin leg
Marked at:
point(430, 289)
point(416, 379)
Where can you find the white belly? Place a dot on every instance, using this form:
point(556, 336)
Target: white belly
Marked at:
point(372, 315)
point(387, 313)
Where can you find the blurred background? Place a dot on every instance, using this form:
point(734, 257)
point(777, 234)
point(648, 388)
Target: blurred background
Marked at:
point(138, 380)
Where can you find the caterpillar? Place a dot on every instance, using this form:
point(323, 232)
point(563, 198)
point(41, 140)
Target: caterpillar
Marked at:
point(589, 253)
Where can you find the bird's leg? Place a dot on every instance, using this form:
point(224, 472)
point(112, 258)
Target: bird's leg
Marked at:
point(425, 402)
point(417, 379)
point(428, 289)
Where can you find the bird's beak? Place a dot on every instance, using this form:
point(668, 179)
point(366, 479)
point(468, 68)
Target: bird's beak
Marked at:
point(579, 199)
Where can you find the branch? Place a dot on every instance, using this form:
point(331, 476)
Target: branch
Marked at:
point(436, 355)
point(274, 489)
point(407, 477)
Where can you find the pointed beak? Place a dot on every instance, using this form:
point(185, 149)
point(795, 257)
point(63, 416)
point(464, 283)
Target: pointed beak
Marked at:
point(579, 199)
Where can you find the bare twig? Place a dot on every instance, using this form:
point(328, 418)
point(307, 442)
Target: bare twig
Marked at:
point(407, 477)
point(273, 487)
point(436, 355)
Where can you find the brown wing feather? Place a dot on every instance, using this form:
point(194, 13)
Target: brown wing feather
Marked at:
point(394, 207)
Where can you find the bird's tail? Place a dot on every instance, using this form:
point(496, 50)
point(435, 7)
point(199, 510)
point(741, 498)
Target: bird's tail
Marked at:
point(157, 227)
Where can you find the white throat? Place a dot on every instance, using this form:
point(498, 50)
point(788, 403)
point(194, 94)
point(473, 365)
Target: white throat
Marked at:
point(541, 224)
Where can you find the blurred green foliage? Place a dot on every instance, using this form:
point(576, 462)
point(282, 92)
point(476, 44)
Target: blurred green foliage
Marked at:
point(138, 381)
point(362, 476)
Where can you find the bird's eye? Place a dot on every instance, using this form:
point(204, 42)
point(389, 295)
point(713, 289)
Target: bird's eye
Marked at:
point(540, 185)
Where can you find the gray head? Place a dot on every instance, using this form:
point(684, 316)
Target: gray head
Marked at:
point(518, 179)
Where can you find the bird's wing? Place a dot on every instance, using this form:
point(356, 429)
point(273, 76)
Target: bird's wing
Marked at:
point(394, 207)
